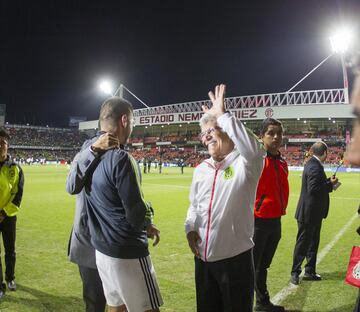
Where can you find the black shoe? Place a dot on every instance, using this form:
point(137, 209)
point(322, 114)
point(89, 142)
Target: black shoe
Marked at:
point(269, 307)
point(11, 285)
point(294, 279)
point(2, 293)
point(312, 277)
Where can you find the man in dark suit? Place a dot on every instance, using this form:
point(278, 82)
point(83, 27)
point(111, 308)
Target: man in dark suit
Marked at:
point(313, 206)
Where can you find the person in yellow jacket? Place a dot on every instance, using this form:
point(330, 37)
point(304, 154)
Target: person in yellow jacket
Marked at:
point(11, 190)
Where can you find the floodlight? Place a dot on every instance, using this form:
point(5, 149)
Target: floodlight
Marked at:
point(106, 87)
point(341, 40)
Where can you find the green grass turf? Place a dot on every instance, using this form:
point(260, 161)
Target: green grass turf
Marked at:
point(47, 281)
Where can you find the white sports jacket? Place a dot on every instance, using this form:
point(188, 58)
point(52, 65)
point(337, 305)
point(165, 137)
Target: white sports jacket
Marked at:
point(222, 195)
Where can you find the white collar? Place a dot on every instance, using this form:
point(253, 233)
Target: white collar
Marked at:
point(317, 158)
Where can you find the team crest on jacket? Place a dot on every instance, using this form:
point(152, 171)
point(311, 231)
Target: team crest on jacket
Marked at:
point(356, 271)
point(229, 173)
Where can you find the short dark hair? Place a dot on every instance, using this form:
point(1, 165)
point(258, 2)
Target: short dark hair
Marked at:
point(4, 134)
point(319, 148)
point(112, 109)
point(269, 122)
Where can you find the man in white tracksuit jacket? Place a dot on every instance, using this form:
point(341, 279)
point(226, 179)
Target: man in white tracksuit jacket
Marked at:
point(220, 220)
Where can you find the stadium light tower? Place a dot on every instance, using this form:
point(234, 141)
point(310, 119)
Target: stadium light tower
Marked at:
point(340, 43)
point(106, 87)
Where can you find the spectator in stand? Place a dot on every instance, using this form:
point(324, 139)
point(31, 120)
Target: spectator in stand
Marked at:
point(271, 201)
point(11, 186)
point(220, 220)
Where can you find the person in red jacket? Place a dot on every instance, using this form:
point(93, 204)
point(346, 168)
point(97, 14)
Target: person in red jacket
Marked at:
point(271, 202)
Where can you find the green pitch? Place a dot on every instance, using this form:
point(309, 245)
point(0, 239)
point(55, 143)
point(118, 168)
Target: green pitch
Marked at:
point(47, 281)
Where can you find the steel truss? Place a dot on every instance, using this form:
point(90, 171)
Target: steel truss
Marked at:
point(312, 97)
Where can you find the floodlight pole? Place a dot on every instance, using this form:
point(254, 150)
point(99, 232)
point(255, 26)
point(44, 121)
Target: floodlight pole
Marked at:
point(345, 77)
point(121, 89)
point(344, 72)
point(310, 72)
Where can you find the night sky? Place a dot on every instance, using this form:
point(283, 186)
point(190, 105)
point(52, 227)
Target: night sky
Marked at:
point(54, 53)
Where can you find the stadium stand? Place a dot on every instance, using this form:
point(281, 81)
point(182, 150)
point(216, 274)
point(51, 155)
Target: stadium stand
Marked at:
point(30, 144)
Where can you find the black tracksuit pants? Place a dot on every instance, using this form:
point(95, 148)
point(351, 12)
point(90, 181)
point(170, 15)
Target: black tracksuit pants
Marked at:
point(225, 285)
point(267, 234)
point(8, 233)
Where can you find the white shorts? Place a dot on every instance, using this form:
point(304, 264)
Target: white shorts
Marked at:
point(129, 281)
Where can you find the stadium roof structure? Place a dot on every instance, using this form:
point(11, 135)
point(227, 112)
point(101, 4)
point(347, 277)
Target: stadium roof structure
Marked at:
point(327, 103)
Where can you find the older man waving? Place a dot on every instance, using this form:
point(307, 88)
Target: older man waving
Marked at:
point(220, 221)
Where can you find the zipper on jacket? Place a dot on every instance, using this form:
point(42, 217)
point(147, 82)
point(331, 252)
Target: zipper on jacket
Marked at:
point(260, 202)
point(280, 187)
point(209, 214)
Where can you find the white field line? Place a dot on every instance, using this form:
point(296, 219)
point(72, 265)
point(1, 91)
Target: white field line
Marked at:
point(287, 290)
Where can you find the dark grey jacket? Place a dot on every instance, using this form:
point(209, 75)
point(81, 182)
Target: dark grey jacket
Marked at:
point(115, 214)
point(80, 250)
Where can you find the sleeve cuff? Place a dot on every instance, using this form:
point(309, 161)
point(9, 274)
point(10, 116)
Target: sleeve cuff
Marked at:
point(189, 228)
point(11, 210)
point(92, 151)
point(222, 120)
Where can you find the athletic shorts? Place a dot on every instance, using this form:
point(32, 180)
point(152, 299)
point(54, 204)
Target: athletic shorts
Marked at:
point(129, 281)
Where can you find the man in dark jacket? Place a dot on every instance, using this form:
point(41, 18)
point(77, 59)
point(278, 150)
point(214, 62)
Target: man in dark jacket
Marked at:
point(120, 220)
point(313, 206)
point(80, 250)
point(271, 201)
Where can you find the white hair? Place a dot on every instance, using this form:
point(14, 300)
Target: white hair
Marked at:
point(206, 118)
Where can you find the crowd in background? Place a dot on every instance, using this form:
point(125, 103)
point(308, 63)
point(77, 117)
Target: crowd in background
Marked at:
point(41, 144)
point(49, 137)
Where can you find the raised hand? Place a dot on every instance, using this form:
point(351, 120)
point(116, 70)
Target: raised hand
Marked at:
point(105, 142)
point(217, 99)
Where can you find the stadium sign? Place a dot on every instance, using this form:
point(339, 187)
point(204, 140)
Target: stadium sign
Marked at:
point(283, 112)
point(259, 113)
